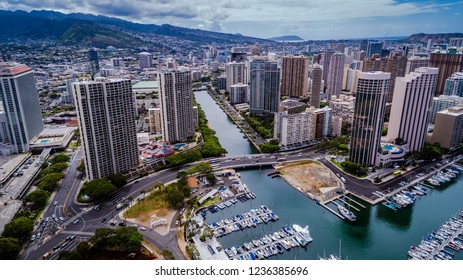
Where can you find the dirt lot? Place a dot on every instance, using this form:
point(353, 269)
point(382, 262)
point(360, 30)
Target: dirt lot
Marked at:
point(310, 177)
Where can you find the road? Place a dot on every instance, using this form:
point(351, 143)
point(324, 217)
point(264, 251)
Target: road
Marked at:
point(89, 218)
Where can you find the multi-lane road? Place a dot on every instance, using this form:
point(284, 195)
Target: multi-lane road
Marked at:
point(82, 220)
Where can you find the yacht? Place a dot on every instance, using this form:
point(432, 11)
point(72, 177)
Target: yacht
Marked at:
point(303, 232)
point(347, 213)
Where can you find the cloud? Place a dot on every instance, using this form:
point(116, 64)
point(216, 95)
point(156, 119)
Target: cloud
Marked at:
point(266, 17)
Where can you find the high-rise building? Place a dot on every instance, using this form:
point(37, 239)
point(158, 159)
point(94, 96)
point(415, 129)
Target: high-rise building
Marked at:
point(343, 107)
point(429, 45)
point(23, 115)
point(321, 122)
point(416, 62)
point(456, 42)
point(235, 72)
point(239, 93)
point(290, 129)
point(374, 48)
point(326, 63)
point(115, 62)
point(454, 84)
point(171, 63)
point(146, 60)
point(264, 87)
point(367, 126)
point(176, 95)
point(448, 128)
point(349, 80)
point(395, 64)
point(364, 45)
point(155, 121)
point(443, 102)
point(105, 110)
point(316, 88)
point(94, 63)
point(448, 63)
point(335, 74)
point(294, 76)
point(67, 97)
point(409, 112)
point(222, 83)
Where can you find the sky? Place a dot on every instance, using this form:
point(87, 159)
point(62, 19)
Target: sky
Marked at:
point(309, 19)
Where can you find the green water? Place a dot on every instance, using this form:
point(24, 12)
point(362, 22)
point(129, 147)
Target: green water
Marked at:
point(378, 233)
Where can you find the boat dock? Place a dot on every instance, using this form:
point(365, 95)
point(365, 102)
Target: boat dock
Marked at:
point(332, 211)
point(239, 222)
point(359, 204)
point(434, 246)
point(348, 204)
point(269, 245)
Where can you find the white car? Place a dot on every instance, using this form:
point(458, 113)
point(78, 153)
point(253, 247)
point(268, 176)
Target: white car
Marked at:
point(55, 203)
point(142, 228)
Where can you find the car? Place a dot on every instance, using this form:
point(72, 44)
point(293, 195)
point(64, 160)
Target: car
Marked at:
point(142, 228)
point(73, 237)
point(176, 223)
point(119, 206)
point(122, 224)
point(61, 218)
point(103, 220)
point(55, 203)
point(75, 221)
point(98, 207)
point(53, 216)
point(112, 223)
point(33, 237)
point(337, 175)
point(343, 180)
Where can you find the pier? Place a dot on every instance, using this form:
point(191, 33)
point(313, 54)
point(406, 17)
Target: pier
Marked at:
point(332, 211)
point(444, 244)
point(350, 205)
point(269, 245)
point(434, 246)
point(359, 204)
point(242, 221)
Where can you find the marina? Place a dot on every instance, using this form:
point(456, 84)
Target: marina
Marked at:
point(434, 246)
point(239, 222)
point(271, 244)
point(368, 238)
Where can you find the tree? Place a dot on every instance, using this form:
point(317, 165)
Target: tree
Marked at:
point(38, 198)
point(118, 180)
point(83, 248)
point(269, 148)
point(81, 166)
point(50, 182)
point(174, 197)
point(182, 177)
point(211, 178)
point(98, 188)
point(19, 228)
point(69, 255)
point(10, 248)
point(57, 167)
point(60, 158)
point(201, 168)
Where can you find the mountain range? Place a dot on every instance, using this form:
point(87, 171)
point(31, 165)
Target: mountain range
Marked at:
point(101, 31)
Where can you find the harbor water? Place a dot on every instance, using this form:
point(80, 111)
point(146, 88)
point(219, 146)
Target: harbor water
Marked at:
point(378, 233)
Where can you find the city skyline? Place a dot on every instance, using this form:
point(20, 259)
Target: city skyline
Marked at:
point(327, 19)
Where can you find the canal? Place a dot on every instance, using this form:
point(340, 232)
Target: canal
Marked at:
point(379, 232)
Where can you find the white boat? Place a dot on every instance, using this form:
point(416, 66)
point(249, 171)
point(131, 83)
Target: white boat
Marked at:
point(347, 213)
point(303, 232)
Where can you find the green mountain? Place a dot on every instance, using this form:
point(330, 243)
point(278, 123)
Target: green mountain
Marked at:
point(287, 38)
point(101, 31)
point(436, 38)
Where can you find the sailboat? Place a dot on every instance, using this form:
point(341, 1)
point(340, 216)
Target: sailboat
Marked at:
point(347, 213)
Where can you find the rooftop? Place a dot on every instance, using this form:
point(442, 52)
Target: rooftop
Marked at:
point(146, 85)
